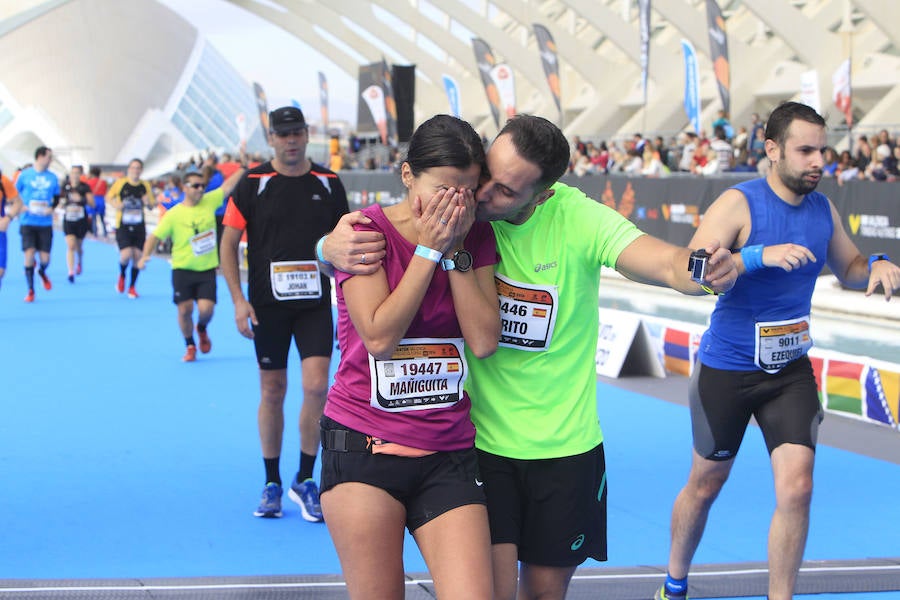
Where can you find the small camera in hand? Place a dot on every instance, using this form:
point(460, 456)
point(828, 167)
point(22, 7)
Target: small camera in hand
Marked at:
point(697, 265)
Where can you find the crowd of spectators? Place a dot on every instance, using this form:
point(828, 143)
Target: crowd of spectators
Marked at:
point(874, 158)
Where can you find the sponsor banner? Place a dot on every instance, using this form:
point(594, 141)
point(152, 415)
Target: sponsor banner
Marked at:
point(718, 52)
point(262, 106)
point(485, 60)
point(503, 78)
point(691, 85)
point(550, 62)
point(452, 89)
point(644, 20)
point(842, 93)
point(809, 90)
point(323, 100)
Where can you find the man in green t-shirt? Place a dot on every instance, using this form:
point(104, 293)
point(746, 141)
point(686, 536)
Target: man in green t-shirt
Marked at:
point(191, 224)
point(534, 402)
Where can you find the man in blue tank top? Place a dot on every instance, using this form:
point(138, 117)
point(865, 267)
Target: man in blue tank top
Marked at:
point(753, 358)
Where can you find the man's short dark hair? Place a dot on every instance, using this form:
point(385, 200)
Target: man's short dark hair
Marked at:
point(539, 141)
point(42, 151)
point(785, 114)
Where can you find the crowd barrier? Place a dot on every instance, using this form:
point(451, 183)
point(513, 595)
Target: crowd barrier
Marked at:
point(670, 207)
point(850, 385)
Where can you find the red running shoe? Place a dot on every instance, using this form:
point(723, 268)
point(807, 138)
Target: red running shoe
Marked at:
point(205, 342)
point(190, 354)
point(120, 285)
point(131, 293)
point(78, 269)
point(47, 285)
point(30, 296)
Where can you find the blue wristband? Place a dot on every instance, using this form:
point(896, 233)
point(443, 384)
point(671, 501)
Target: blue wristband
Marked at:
point(876, 257)
point(426, 252)
point(752, 257)
point(319, 254)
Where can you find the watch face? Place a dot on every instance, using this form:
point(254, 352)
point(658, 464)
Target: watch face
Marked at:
point(463, 260)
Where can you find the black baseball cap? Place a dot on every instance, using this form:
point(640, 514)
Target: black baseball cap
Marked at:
point(286, 118)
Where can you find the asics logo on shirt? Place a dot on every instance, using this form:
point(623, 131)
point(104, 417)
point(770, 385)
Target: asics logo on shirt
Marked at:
point(545, 266)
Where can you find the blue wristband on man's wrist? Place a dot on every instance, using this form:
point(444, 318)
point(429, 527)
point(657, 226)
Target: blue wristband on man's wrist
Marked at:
point(426, 252)
point(877, 257)
point(319, 254)
point(752, 257)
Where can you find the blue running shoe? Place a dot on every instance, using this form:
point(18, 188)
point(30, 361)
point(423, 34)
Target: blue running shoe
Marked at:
point(270, 505)
point(306, 494)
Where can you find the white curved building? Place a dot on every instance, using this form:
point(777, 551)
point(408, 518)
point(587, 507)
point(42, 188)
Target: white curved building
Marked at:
point(105, 80)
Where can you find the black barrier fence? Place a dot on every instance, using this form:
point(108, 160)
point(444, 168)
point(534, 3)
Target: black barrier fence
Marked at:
point(670, 208)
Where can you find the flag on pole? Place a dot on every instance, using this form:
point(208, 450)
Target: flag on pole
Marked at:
point(809, 89)
point(842, 94)
point(550, 62)
point(452, 89)
point(718, 52)
point(644, 19)
point(691, 85)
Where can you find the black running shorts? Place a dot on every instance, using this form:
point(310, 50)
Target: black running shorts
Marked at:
point(311, 328)
point(131, 236)
point(193, 285)
point(36, 237)
point(553, 510)
point(785, 404)
point(427, 486)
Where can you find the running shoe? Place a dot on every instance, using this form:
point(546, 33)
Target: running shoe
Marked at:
point(270, 504)
point(205, 342)
point(190, 354)
point(661, 595)
point(78, 269)
point(132, 293)
point(71, 277)
point(30, 296)
point(306, 494)
point(47, 285)
point(120, 284)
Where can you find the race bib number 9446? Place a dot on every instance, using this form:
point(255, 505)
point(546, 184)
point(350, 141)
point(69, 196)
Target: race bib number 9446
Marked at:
point(527, 313)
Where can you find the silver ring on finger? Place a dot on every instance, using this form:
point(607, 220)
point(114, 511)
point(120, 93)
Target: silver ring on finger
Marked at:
point(443, 222)
point(363, 261)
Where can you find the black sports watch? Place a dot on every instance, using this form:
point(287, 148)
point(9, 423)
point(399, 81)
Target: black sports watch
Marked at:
point(461, 261)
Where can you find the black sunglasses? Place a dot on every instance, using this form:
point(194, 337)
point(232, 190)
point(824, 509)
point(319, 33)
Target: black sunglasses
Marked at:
point(290, 132)
point(196, 186)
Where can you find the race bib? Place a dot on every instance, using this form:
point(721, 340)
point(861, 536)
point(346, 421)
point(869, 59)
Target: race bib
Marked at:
point(779, 343)
point(295, 280)
point(74, 212)
point(527, 313)
point(40, 208)
point(132, 216)
point(204, 242)
point(423, 373)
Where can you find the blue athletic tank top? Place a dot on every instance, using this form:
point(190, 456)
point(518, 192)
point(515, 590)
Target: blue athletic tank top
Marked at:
point(768, 294)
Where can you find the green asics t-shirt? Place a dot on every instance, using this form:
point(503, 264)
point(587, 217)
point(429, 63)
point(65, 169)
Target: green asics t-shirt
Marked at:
point(193, 233)
point(536, 397)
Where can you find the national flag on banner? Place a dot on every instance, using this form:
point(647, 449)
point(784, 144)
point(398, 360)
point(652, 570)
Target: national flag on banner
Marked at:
point(882, 391)
point(644, 19)
point(452, 89)
point(549, 61)
point(485, 60)
point(718, 52)
point(843, 387)
point(843, 93)
point(677, 351)
point(691, 86)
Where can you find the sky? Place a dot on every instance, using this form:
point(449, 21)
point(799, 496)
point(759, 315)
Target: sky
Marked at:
point(286, 67)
